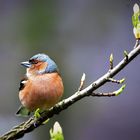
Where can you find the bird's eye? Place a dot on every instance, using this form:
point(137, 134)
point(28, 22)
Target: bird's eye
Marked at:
point(32, 61)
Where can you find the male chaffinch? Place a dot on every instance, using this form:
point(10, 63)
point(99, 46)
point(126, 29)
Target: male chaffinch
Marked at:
point(42, 86)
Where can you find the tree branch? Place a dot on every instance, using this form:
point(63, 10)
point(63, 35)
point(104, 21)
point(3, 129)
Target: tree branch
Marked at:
point(33, 123)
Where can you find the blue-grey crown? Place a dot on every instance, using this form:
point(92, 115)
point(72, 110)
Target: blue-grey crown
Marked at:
point(52, 67)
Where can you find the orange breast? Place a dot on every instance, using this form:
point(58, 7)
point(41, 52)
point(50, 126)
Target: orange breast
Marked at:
point(42, 91)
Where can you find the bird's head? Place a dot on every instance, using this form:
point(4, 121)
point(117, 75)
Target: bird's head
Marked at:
point(40, 64)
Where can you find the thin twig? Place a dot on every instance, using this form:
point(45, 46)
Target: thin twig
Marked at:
point(137, 43)
point(109, 94)
point(100, 94)
point(116, 81)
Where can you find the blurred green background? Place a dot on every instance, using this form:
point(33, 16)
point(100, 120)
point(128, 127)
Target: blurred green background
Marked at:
point(79, 35)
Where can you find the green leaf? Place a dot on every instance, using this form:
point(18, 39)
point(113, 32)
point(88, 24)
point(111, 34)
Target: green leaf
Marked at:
point(122, 80)
point(56, 133)
point(37, 113)
point(135, 16)
point(136, 21)
point(119, 91)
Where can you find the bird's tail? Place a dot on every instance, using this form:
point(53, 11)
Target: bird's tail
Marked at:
point(23, 112)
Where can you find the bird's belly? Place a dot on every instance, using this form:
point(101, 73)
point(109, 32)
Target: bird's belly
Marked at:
point(41, 94)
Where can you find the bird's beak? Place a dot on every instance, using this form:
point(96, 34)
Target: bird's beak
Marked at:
point(26, 64)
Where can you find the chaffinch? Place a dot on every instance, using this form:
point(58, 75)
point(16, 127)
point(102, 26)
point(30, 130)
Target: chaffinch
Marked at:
point(42, 86)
